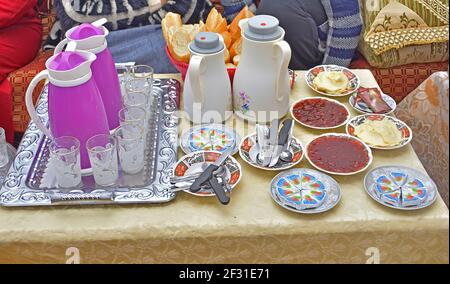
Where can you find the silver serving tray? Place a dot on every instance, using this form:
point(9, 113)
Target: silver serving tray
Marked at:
point(4, 170)
point(27, 182)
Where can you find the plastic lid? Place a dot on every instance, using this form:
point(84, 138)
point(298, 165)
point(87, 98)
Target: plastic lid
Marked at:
point(263, 28)
point(66, 60)
point(85, 31)
point(207, 43)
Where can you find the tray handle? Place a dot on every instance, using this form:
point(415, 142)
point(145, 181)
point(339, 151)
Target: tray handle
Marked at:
point(78, 197)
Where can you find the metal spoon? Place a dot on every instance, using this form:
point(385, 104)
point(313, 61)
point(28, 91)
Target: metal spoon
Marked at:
point(264, 156)
point(287, 156)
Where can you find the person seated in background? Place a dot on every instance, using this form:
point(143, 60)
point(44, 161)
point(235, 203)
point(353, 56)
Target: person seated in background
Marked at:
point(20, 39)
point(318, 31)
point(135, 25)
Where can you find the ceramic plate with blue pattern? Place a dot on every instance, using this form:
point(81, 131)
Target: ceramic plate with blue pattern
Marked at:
point(210, 137)
point(305, 191)
point(400, 187)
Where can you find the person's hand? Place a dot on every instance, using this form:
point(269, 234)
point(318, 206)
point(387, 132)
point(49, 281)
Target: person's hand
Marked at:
point(163, 2)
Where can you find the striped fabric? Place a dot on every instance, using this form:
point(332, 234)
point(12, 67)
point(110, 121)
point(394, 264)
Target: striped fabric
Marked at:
point(339, 37)
point(127, 14)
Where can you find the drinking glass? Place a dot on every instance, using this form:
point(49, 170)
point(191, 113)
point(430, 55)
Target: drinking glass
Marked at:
point(4, 159)
point(65, 154)
point(123, 72)
point(137, 99)
point(141, 71)
point(144, 75)
point(102, 151)
point(130, 144)
point(133, 115)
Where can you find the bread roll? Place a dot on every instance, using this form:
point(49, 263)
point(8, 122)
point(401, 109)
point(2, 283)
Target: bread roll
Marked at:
point(234, 28)
point(180, 45)
point(236, 60)
point(236, 48)
point(170, 20)
point(213, 20)
point(221, 27)
point(227, 39)
point(227, 56)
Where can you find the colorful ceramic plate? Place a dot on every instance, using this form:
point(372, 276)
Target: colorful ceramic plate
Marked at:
point(362, 108)
point(196, 162)
point(320, 113)
point(339, 154)
point(211, 137)
point(305, 191)
point(249, 141)
point(400, 187)
point(405, 130)
point(353, 83)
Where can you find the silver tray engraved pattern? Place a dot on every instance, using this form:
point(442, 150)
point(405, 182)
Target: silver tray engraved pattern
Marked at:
point(22, 185)
point(4, 170)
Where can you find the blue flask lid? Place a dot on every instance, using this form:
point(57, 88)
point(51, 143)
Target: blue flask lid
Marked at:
point(263, 28)
point(207, 43)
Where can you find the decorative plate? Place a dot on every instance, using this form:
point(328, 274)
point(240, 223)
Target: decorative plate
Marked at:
point(305, 191)
point(195, 162)
point(249, 141)
point(320, 113)
point(401, 126)
point(362, 108)
point(400, 187)
point(353, 85)
point(339, 154)
point(211, 137)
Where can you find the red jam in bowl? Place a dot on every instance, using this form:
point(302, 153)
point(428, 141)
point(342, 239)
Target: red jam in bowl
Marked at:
point(338, 154)
point(317, 112)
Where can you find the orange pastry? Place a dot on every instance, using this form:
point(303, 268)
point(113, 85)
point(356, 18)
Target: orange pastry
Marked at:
point(227, 39)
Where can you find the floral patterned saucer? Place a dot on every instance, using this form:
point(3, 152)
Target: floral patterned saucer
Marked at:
point(210, 137)
point(406, 131)
point(249, 141)
point(196, 162)
point(353, 84)
point(400, 187)
point(362, 108)
point(305, 191)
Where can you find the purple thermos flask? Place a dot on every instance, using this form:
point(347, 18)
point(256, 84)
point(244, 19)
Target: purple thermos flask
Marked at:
point(75, 107)
point(92, 38)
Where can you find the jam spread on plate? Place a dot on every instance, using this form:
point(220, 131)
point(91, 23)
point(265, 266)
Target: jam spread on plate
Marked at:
point(319, 112)
point(338, 154)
